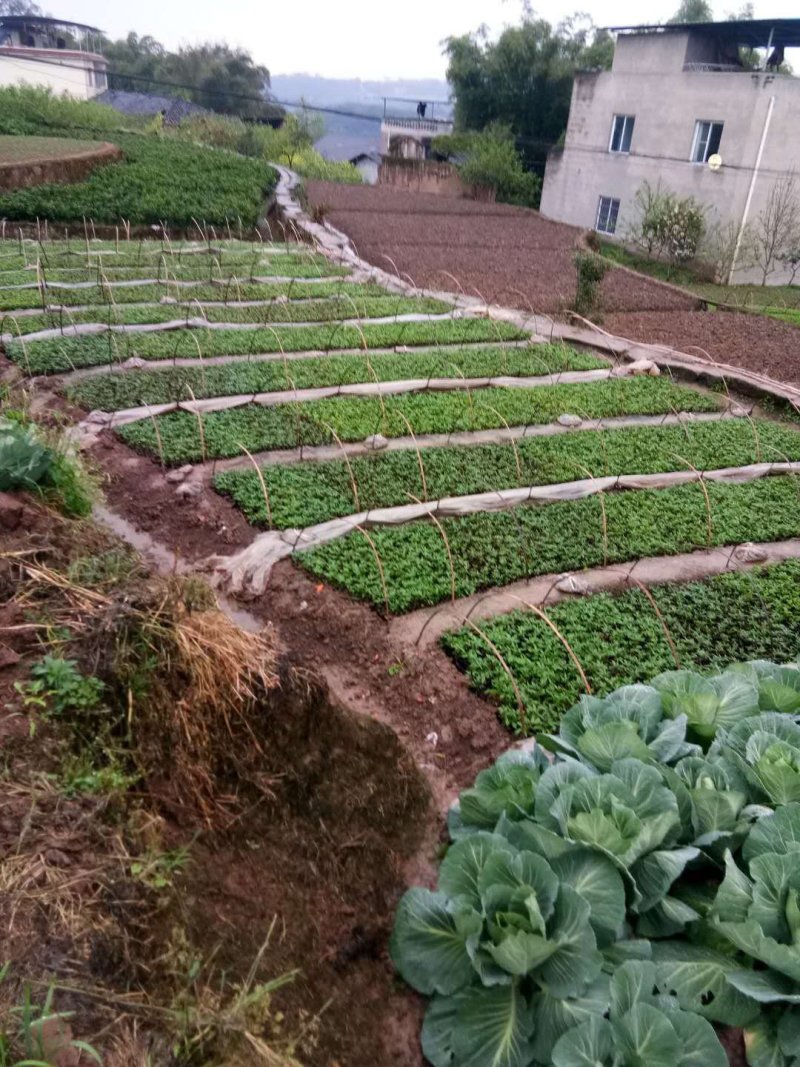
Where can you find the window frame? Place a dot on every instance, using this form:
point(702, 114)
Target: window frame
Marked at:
point(626, 121)
point(610, 201)
point(697, 139)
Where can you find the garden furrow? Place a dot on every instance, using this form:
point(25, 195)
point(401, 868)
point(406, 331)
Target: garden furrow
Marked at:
point(425, 626)
point(68, 353)
point(393, 388)
point(183, 283)
point(250, 568)
point(82, 329)
point(134, 365)
point(302, 494)
point(330, 308)
point(180, 437)
point(426, 563)
point(457, 439)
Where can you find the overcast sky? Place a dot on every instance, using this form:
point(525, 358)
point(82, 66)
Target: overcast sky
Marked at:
point(369, 39)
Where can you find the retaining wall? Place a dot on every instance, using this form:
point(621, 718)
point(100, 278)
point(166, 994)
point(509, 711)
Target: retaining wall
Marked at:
point(60, 169)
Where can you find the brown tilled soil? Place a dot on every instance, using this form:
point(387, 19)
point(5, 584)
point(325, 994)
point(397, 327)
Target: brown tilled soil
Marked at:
point(513, 256)
point(508, 255)
point(755, 342)
point(316, 846)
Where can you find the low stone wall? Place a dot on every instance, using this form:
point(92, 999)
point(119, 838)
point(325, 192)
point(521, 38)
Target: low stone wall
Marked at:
point(59, 169)
point(429, 176)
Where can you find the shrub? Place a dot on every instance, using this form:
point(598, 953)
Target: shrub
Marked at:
point(606, 906)
point(590, 270)
point(667, 226)
point(27, 110)
point(26, 462)
point(491, 159)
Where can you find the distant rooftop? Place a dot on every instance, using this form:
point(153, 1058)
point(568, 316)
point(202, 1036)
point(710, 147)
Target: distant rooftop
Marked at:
point(750, 33)
point(20, 21)
point(173, 108)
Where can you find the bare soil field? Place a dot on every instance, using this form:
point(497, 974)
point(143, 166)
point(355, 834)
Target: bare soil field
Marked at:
point(515, 257)
point(755, 342)
point(509, 255)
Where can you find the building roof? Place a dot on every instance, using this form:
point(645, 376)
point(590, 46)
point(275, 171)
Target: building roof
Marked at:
point(39, 20)
point(174, 107)
point(373, 157)
point(751, 33)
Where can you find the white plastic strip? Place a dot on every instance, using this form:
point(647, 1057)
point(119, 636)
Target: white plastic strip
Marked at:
point(82, 329)
point(462, 438)
point(425, 626)
point(249, 569)
point(361, 389)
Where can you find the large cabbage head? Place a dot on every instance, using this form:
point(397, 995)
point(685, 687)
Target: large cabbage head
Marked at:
point(629, 723)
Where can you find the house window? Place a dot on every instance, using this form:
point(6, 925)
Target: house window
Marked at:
point(621, 133)
point(607, 212)
point(707, 136)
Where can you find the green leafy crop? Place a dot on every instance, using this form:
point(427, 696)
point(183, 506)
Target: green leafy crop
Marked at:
point(583, 914)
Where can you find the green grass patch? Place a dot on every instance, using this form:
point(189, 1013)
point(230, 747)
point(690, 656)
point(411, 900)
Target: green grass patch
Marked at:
point(355, 418)
point(761, 298)
point(309, 493)
point(66, 353)
point(112, 392)
point(15, 149)
point(20, 299)
point(790, 315)
point(496, 549)
point(619, 639)
point(159, 179)
point(330, 310)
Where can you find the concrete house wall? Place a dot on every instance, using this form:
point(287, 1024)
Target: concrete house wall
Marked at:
point(649, 79)
point(78, 74)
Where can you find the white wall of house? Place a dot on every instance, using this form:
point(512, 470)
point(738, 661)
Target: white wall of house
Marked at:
point(648, 81)
point(79, 74)
point(368, 168)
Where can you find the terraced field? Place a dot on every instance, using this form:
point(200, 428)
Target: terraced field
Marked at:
point(418, 458)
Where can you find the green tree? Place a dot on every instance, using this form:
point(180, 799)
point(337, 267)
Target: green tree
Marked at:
point(524, 79)
point(215, 75)
point(18, 7)
point(693, 11)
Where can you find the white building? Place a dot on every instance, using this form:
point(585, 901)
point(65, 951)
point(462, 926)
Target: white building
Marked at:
point(367, 164)
point(406, 136)
point(52, 54)
point(680, 108)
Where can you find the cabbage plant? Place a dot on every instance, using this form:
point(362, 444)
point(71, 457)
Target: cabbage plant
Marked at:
point(644, 1027)
point(708, 704)
point(607, 902)
point(24, 462)
point(765, 751)
point(511, 944)
point(629, 722)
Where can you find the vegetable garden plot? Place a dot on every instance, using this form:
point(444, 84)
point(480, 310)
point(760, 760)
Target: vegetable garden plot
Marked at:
point(301, 311)
point(159, 178)
point(308, 493)
point(68, 353)
point(607, 906)
point(231, 290)
point(495, 549)
point(280, 266)
point(620, 640)
point(115, 391)
point(180, 437)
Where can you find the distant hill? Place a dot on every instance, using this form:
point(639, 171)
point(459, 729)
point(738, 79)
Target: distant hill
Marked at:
point(346, 136)
point(316, 89)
